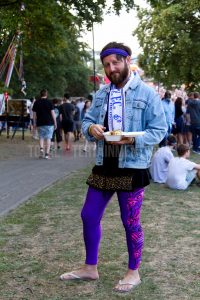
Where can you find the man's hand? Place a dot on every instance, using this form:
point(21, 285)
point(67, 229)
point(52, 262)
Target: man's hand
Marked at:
point(96, 130)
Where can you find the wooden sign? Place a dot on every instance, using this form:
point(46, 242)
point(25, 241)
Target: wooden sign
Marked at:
point(16, 107)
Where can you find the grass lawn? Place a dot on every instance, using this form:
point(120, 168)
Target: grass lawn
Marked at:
point(43, 238)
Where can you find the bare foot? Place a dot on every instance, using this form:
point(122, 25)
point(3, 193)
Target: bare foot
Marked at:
point(85, 273)
point(130, 281)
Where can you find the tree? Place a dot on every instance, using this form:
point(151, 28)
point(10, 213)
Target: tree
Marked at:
point(49, 35)
point(53, 55)
point(169, 33)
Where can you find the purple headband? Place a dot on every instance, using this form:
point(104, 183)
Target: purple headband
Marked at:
point(113, 51)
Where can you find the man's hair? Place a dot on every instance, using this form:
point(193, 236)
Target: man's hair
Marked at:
point(167, 95)
point(44, 93)
point(196, 95)
point(55, 101)
point(66, 95)
point(171, 140)
point(182, 149)
point(191, 95)
point(178, 102)
point(117, 46)
point(90, 97)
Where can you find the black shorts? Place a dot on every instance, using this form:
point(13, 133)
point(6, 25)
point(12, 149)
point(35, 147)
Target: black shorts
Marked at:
point(67, 126)
point(77, 125)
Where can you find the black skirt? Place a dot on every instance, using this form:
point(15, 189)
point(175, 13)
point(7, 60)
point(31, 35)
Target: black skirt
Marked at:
point(110, 177)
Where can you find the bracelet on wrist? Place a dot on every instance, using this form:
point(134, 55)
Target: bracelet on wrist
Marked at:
point(89, 129)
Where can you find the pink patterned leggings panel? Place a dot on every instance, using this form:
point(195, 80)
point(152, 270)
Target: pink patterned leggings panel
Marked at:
point(130, 206)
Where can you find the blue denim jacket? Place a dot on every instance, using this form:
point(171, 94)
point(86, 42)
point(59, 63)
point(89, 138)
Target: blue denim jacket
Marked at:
point(169, 110)
point(143, 112)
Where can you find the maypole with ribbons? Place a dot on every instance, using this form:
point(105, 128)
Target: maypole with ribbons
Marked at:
point(8, 64)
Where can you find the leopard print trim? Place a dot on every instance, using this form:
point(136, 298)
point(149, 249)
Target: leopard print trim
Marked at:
point(122, 183)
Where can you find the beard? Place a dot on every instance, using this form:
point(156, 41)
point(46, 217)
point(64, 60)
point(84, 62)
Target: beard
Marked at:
point(118, 77)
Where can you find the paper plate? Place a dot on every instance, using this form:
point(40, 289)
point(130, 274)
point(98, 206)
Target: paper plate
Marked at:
point(133, 133)
point(112, 138)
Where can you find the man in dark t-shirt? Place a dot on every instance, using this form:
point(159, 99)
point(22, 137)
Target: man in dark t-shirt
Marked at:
point(67, 111)
point(44, 118)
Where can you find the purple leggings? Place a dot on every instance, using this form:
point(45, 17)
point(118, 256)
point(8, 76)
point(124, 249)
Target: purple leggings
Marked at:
point(130, 205)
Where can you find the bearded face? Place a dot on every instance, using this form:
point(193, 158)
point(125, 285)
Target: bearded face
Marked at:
point(116, 69)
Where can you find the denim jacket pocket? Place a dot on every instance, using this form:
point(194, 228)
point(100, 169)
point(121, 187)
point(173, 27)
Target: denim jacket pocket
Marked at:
point(138, 108)
point(98, 102)
point(135, 115)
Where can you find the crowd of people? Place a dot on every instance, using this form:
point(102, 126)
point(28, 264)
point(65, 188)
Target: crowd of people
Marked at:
point(57, 120)
point(183, 134)
point(61, 120)
point(183, 119)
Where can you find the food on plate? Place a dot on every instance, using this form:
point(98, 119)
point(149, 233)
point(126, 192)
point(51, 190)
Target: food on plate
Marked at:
point(116, 132)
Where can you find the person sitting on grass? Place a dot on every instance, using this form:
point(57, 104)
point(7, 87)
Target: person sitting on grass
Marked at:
point(182, 171)
point(161, 159)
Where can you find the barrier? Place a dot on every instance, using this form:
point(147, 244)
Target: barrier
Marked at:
point(15, 115)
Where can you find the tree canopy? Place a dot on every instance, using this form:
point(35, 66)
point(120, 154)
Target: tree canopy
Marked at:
point(169, 34)
point(54, 56)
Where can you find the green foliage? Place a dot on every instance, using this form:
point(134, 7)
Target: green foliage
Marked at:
point(3, 89)
point(169, 33)
point(54, 57)
point(50, 41)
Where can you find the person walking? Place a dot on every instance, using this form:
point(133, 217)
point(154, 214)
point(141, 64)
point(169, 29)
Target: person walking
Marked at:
point(45, 120)
point(57, 134)
point(84, 111)
point(77, 122)
point(169, 109)
point(67, 111)
point(179, 125)
point(188, 133)
point(193, 110)
point(127, 104)
point(80, 104)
